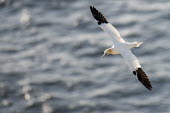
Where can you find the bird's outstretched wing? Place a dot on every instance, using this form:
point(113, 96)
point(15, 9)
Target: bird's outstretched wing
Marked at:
point(134, 65)
point(105, 25)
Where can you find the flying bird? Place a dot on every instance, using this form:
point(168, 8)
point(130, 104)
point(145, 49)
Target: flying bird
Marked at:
point(120, 46)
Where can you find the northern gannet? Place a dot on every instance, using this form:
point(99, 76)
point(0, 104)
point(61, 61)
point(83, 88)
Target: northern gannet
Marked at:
point(122, 47)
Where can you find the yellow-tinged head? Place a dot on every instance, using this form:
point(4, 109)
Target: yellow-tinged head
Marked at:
point(107, 52)
point(110, 51)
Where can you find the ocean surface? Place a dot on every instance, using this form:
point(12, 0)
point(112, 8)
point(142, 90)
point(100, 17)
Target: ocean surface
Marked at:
point(50, 57)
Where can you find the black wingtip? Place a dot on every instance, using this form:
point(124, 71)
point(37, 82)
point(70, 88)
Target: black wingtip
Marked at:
point(143, 78)
point(98, 16)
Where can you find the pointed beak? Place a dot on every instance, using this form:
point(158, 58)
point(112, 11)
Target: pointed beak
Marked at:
point(103, 55)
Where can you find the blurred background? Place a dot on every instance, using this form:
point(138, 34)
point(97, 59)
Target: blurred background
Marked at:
point(50, 56)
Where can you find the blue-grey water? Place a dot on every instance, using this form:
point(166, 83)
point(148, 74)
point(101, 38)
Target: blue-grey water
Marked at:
point(50, 57)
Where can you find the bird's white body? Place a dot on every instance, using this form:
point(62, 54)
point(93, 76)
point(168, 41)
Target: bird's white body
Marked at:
point(122, 47)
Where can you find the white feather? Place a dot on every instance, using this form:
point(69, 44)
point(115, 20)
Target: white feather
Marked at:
point(131, 60)
point(111, 30)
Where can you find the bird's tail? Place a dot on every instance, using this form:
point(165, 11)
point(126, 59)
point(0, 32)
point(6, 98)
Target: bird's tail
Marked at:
point(138, 43)
point(134, 44)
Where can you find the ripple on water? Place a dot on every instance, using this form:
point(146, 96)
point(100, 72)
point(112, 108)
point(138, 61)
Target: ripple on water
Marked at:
point(50, 57)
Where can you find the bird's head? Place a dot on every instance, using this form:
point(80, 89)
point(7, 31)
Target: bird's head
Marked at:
point(107, 52)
